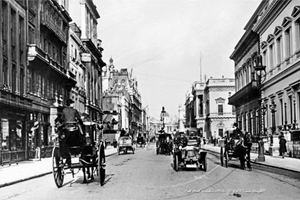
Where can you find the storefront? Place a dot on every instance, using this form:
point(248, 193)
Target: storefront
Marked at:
point(13, 139)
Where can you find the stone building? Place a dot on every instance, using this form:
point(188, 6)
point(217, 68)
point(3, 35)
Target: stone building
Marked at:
point(219, 115)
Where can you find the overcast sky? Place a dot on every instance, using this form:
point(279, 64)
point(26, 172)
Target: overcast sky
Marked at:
point(162, 41)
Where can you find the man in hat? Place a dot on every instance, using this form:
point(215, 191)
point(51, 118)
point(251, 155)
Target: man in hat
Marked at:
point(182, 142)
point(71, 117)
point(72, 127)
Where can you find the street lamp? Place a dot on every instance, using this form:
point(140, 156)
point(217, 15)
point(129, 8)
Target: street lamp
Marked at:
point(260, 68)
point(162, 117)
point(295, 121)
point(263, 110)
point(273, 111)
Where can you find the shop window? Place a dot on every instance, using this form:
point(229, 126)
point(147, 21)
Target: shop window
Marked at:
point(5, 134)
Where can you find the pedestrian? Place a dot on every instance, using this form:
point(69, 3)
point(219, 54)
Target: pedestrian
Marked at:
point(248, 145)
point(282, 145)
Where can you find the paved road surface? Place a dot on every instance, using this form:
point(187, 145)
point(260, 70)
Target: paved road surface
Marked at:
point(145, 175)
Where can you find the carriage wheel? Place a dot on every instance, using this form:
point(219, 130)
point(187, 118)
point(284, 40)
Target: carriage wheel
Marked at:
point(176, 163)
point(222, 156)
point(101, 164)
point(226, 159)
point(57, 167)
point(204, 163)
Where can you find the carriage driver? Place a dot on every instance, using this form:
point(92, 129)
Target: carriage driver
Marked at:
point(71, 118)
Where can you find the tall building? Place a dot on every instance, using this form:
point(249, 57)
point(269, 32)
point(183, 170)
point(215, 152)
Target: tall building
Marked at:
point(84, 13)
point(247, 94)
point(15, 105)
point(219, 115)
point(272, 33)
point(278, 26)
point(207, 113)
point(39, 71)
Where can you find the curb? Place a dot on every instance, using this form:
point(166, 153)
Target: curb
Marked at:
point(261, 163)
point(36, 176)
point(25, 179)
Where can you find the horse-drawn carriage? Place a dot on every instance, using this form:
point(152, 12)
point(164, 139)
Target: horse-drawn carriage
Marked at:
point(232, 146)
point(164, 144)
point(75, 149)
point(140, 141)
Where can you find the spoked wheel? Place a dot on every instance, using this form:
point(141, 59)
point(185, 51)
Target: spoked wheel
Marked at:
point(226, 158)
point(222, 156)
point(58, 167)
point(101, 164)
point(204, 163)
point(176, 163)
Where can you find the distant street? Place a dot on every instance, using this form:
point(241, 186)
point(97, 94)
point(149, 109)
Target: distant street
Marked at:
point(145, 175)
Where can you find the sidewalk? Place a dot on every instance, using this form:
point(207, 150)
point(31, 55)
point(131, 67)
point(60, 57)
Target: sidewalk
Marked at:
point(292, 164)
point(29, 169)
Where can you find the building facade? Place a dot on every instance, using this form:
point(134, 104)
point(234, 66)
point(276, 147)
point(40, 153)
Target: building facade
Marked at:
point(39, 72)
point(85, 16)
point(219, 115)
point(247, 94)
point(279, 29)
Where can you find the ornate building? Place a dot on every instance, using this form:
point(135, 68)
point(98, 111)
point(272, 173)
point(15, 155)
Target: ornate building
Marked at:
point(246, 97)
point(84, 13)
point(37, 80)
point(121, 98)
point(219, 115)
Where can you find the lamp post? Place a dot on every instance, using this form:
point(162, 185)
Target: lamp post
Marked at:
point(285, 122)
point(295, 121)
point(263, 110)
point(273, 111)
point(162, 117)
point(260, 68)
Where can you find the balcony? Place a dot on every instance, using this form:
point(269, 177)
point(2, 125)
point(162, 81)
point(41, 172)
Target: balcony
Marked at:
point(247, 93)
point(55, 29)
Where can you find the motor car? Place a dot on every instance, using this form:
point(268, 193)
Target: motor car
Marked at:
point(125, 144)
point(189, 157)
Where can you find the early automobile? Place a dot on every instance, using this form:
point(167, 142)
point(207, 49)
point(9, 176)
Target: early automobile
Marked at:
point(125, 143)
point(189, 157)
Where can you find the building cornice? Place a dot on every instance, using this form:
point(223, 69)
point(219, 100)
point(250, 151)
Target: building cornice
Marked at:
point(269, 15)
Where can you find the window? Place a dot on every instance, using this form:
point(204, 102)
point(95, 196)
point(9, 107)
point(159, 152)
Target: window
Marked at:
point(264, 59)
point(291, 108)
point(22, 77)
point(271, 56)
point(221, 132)
point(21, 39)
point(31, 35)
point(281, 110)
point(5, 72)
point(14, 77)
point(279, 50)
point(220, 109)
point(298, 34)
point(288, 42)
point(4, 27)
point(13, 34)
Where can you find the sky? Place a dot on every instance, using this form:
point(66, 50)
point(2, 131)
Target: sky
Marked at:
point(164, 42)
